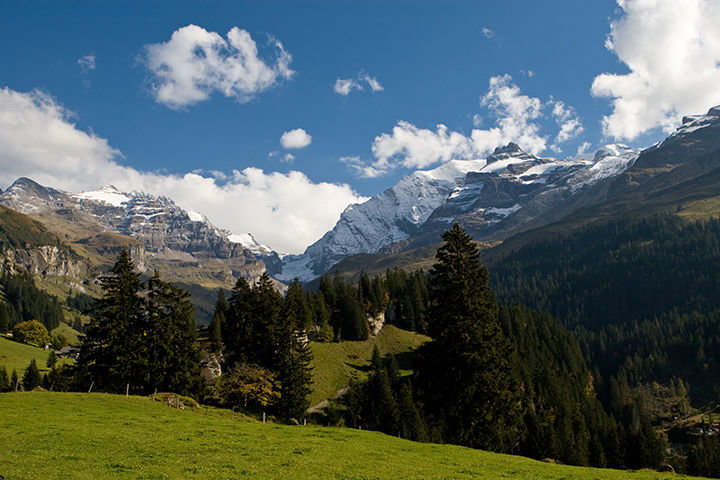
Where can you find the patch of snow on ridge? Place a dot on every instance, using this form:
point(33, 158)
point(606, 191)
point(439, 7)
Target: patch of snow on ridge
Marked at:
point(195, 216)
point(502, 212)
point(249, 242)
point(105, 194)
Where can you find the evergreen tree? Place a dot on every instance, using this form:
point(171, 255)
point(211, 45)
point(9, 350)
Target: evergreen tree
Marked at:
point(32, 377)
point(140, 337)
point(110, 355)
point(236, 330)
point(294, 353)
point(217, 324)
point(465, 375)
point(51, 360)
point(172, 357)
point(4, 380)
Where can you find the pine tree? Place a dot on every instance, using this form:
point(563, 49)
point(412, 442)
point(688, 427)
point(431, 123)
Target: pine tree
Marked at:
point(173, 361)
point(51, 360)
point(237, 329)
point(217, 324)
point(32, 377)
point(110, 356)
point(464, 374)
point(4, 380)
point(294, 353)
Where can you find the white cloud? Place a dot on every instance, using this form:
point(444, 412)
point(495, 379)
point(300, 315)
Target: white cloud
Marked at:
point(287, 158)
point(487, 33)
point(345, 86)
point(517, 119)
point(38, 140)
point(583, 148)
point(568, 121)
point(672, 49)
point(194, 63)
point(297, 138)
point(87, 63)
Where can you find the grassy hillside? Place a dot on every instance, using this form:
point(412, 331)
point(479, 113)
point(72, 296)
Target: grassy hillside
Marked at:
point(336, 364)
point(14, 355)
point(20, 231)
point(90, 436)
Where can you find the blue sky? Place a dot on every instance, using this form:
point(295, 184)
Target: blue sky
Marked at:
point(434, 61)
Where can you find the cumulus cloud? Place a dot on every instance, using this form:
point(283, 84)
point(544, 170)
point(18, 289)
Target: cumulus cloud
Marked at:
point(38, 140)
point(516, 118)
point(672, 51)
point(297, 138)
point(87, 63)
point(568, 122)
point(195, 63)
point(345, 86)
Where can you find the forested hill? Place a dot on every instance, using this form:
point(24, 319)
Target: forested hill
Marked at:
point(640, 295)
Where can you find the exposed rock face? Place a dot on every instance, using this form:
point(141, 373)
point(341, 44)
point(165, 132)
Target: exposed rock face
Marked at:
point(43, 260)
point(376, 323)
point(212, 367)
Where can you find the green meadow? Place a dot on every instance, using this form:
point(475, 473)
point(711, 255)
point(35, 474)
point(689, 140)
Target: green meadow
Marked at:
point(78, 436)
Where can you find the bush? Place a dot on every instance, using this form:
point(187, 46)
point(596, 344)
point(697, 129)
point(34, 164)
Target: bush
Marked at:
point(32, 332)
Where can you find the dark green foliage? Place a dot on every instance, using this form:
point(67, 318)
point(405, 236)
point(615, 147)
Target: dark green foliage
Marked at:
point(640, 295)
point(25, 302)
point(140, 337)
point(51, 360)
point(218, 321)
point(81, 302)
point(348, 316)
point(409, 297)
point(704, 457)
point(267, 330)
point(385, 402)
point(465, 375)
point(4, 380)
point(32, 377)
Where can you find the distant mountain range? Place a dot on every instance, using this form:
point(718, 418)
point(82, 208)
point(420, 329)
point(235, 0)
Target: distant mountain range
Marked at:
point(509, 192)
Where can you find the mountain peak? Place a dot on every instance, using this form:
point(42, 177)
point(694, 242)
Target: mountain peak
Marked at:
point(511, 148)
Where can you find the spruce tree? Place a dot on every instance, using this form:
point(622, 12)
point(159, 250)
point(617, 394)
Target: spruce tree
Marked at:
point(4, 380)
point(51, 360)
point(110, 357)
point(173, 360)
point(32, 377)
point(465, 374)
point(293, 353)
point(218, 321)
point(237, 329)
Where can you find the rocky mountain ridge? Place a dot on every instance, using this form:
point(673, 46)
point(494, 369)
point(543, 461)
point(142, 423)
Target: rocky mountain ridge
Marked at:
point(508, 192)
point(166, 237)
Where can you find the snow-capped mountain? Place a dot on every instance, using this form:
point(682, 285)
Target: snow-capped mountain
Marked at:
point(168, 233)
point(388, 217)
point(509, 191)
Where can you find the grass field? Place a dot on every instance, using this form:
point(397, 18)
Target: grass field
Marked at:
point(14, 355)
point(47, 436)
point(336, 364)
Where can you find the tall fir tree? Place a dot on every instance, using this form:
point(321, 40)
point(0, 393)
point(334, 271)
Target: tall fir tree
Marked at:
point(32, 377)
point(173, 359)
point(109, 357)
point(218, 321)
point(4, 380)
point(465, 375)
